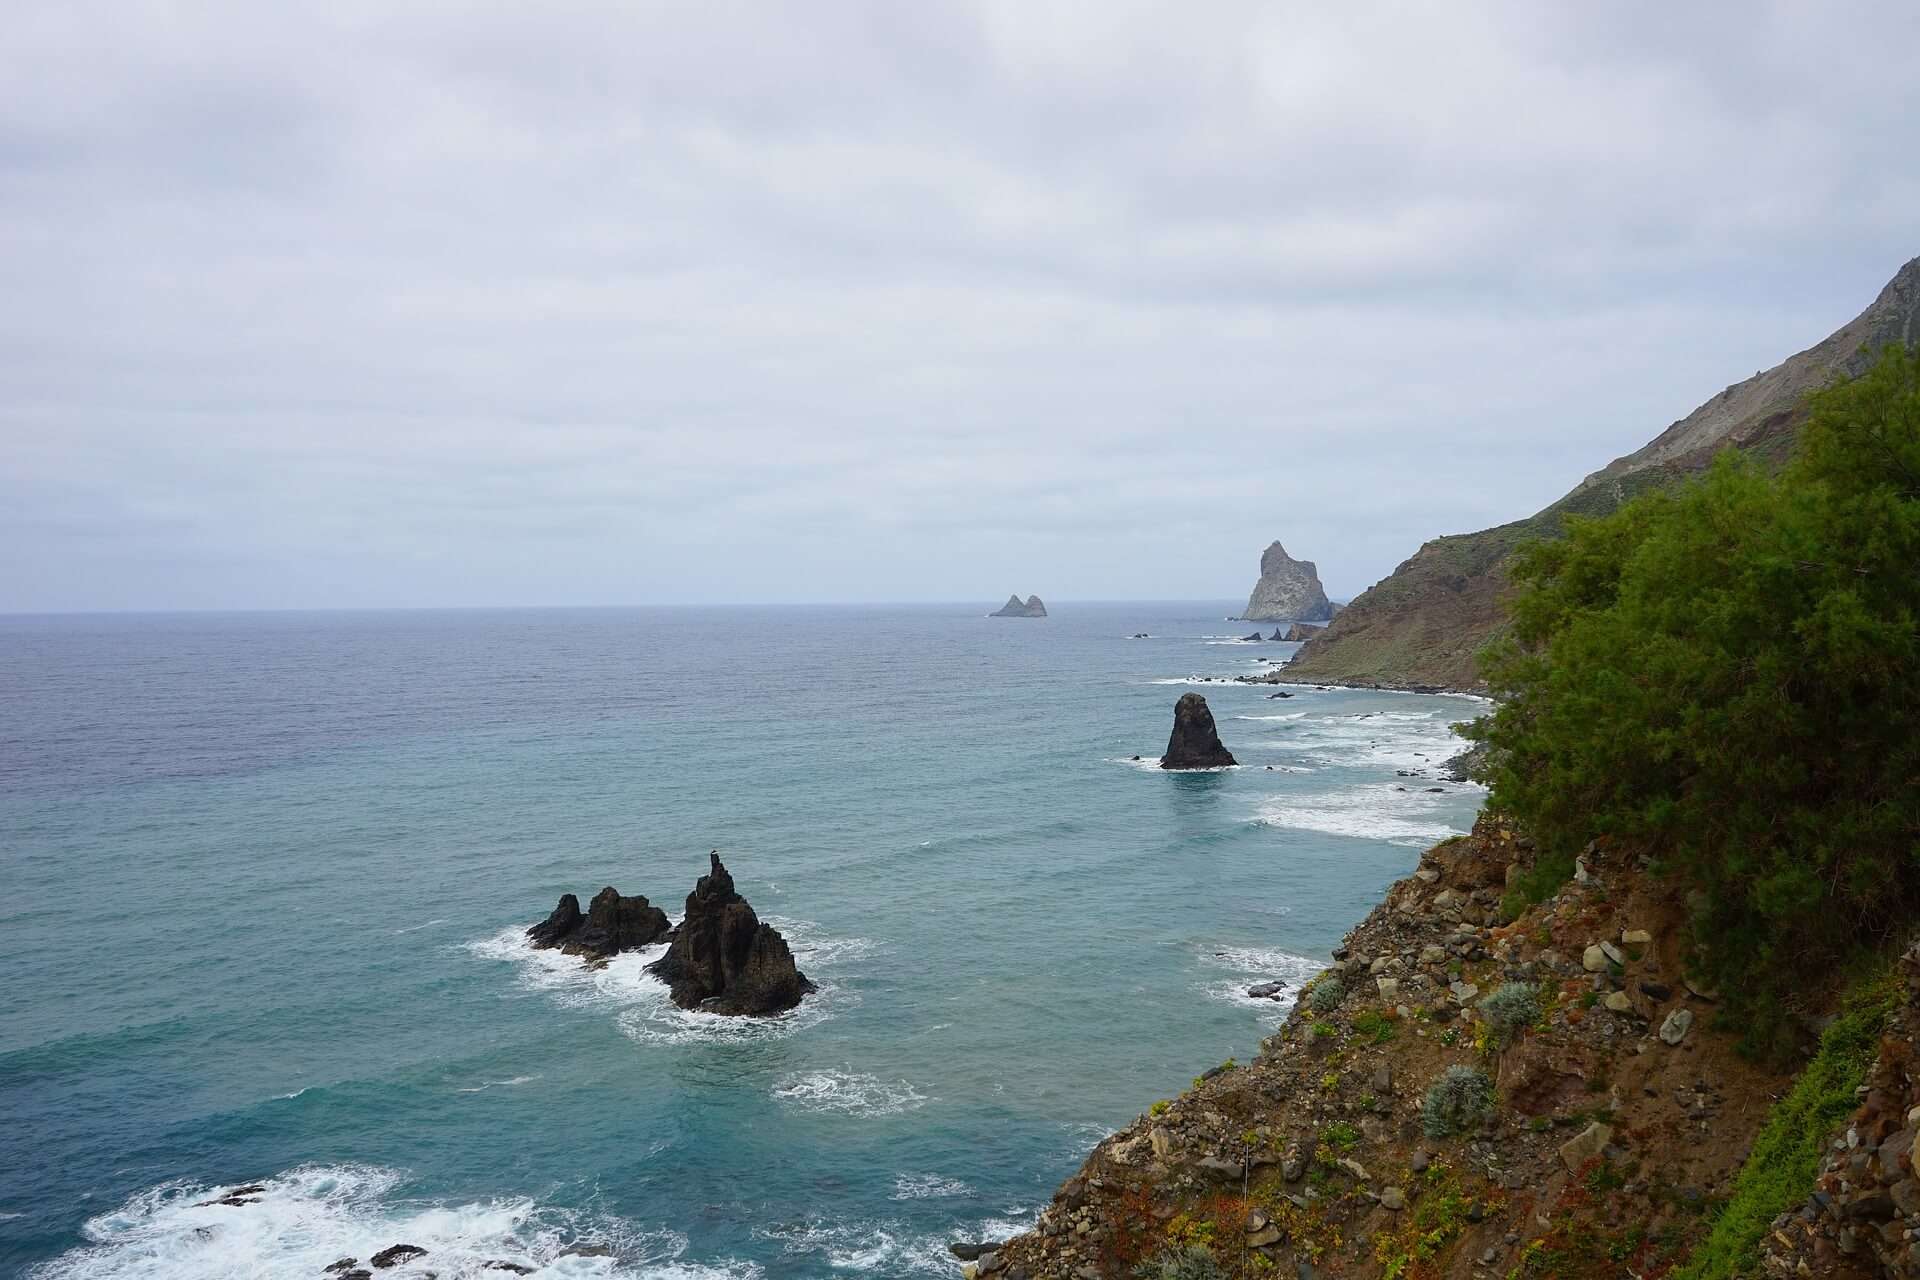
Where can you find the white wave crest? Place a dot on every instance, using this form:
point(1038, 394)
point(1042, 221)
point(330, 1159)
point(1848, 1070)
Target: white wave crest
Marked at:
point(845, 1093)
point(1255, 965)
point(306, 1218)
point(926, 1186)
point(1412, 817)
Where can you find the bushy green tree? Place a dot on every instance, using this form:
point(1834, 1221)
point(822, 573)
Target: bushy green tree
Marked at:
point(1725, 672)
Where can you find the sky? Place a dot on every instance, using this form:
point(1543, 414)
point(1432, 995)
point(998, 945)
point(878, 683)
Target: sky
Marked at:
point(373, 304)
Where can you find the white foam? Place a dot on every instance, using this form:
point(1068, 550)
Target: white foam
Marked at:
point(641, 1004)
point(1377, 812)
point(485, 1085)
point(306, 1218)
point(1297, 715)
point(926, 1186)
point(1255, 965)
point(415, 928)
point(847, 1093)
point(886, 1246)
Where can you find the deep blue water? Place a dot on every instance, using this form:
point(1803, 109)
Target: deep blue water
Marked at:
point(263, 878)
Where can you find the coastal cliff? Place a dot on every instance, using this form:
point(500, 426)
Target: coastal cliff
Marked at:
point(1422, 624)
point(1458, 1097)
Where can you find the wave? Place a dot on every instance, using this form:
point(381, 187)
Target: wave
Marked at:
point(844, 1093)
point(926, 1186)
point(485, 1085)
point(304, 1219)
point(888, 1246)
point(415, 928)
point(1368, 813)
point(1296, 715)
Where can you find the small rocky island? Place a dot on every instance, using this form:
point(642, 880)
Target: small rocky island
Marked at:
point(1015, 608)
point(724, 959)
point(612, 924)
point(1195, 743)
point(721, 958)
point(1288, 591)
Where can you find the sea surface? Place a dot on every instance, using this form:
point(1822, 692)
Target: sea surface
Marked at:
point(264, 877)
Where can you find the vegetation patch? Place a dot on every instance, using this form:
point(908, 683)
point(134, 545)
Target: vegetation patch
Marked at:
point(1458, 1101)
point(1785, 1158)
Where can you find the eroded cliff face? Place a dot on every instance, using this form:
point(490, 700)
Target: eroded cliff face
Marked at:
point(1416, 1116)
point(1288, 591)
point(1421, 625)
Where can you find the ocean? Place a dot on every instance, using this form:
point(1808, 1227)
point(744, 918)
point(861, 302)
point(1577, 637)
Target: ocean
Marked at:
point(264, 880)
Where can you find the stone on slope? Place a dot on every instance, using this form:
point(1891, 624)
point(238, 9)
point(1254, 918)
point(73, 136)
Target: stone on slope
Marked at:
point(724, 959)
point(1194, 743)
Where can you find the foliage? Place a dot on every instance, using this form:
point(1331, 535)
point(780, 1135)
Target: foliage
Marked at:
point(1182, 1262)
point(1780, 1168)
point(1725, 673)
point(1160, 1108)
point(1510, 1010)
point(1328, 993)
point(1374, 1025)
point(1340, 1136)
point(1456, 1102)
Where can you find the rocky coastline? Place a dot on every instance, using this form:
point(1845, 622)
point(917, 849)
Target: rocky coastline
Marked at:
point(1459, 1097)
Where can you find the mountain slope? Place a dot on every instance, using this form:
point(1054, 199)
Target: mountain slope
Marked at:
point(1421, 625)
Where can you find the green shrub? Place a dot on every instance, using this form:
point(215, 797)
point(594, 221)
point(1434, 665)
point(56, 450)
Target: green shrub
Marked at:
point(1724, 673)
point(1374, 1025)
point(1786, 1155)
point(1510, 1010)
point(1328, 993)
point(1181, 1262)
point(1458, 1101)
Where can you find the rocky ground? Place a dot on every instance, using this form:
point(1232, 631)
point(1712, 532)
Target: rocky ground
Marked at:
point(1614, 1118)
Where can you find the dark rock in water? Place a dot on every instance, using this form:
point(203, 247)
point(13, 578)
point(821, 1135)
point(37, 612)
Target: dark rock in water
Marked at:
point(237, 1197)
point(396, 1255)
point(612, 924)
point(514, 1267)
point(1277, 635)
point(724, 960)
point(1255, 636)
point(344, 1264)
point(1013, 608)
point(1272, 696)
point(1140, 635)
point(966, 1252)
point(1195, 743)
point(1266, 990)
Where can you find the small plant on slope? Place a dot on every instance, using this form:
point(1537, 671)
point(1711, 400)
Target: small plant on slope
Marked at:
point(1456, 1102)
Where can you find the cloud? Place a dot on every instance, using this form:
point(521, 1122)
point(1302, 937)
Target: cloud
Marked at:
point(395, 304)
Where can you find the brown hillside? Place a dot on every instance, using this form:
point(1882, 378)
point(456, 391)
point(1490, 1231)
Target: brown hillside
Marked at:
point(1421, 625)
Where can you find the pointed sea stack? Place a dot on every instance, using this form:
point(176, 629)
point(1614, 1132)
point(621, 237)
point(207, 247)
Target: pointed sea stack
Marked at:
point(724, 960)
point(1195, 743)
point(1299, 631)
point(1013, 608)
point(612, 924)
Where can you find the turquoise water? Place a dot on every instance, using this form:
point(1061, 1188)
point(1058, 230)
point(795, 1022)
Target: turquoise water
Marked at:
point(264, 878)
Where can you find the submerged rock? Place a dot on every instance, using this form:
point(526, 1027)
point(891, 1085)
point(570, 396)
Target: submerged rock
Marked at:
point(724, 960)
point(1014, 608)
point(611, 925)
point(1195, 743)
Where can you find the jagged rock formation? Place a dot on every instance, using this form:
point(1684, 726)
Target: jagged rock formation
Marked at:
point(1298, 631)
point(1195, 743)
point(1423, 623)
point(1600, 1147)
point(1288, 591)
point(724, 960)
point(612, 924)
point(1013, 608)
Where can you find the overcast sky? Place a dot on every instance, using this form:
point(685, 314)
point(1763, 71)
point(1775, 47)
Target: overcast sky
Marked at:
point(564, 303)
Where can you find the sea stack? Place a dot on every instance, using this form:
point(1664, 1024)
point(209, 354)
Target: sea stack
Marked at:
point(1288, 591)
point(724, 960)
point(1299, 631)
point(612, 924)
point(1195, 743)
point(1014, 608)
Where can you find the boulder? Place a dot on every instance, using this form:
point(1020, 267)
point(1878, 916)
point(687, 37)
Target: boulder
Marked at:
point(1675, 1028)
point(612, 924)
point(724, 960)
point(397, 1254)
point(1195, 743)
point(1590, 1142)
